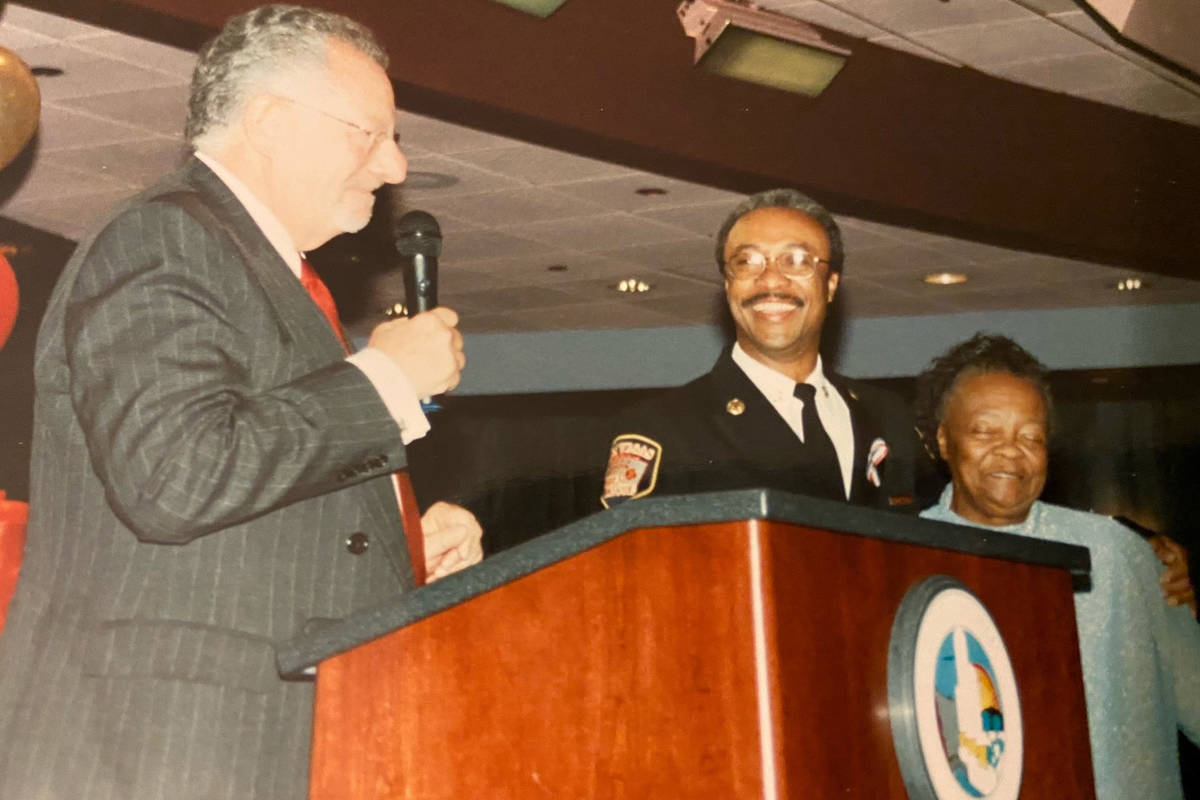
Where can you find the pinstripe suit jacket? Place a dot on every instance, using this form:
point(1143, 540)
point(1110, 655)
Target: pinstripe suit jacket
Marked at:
point(201, 453)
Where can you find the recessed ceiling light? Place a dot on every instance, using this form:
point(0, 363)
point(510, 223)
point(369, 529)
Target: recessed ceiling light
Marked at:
point(945, 278)
point(1131, 285)
point(633, 286)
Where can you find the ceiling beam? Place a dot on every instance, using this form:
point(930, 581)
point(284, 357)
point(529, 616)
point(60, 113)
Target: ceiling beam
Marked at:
point(896, 138)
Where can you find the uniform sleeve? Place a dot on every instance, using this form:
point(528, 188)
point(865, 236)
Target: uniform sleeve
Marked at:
point(194, 419)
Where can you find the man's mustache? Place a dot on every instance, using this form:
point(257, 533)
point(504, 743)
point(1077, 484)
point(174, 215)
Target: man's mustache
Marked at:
point(760, 297)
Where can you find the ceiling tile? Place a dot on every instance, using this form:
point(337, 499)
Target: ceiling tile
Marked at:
point(905, 45)
point(18, 39)
point(50, 25)
point(1078, 73)
point(693, 257)
point(1048, 7)
point(991, 44)
point(63, 129)
point(662, 284)
point(151, 55)
point(535, 269)
point(622, 193)
point(86, 73)
point(912, 16)
point(598, 233)
point(446, 138)
point(135, 163)
point(462, 179)
point(1152, 97)
point(488, 244)
point(540, 166)
point(826, 15)
point(704, 219)
point(162, 109)
point(516, 206)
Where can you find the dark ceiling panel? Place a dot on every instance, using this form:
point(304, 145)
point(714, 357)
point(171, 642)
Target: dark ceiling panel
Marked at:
point(896, 138)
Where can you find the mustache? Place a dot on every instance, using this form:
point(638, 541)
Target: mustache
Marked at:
point(761, 296)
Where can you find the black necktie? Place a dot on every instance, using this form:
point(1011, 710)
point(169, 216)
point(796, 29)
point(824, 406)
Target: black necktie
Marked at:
point(818, 447)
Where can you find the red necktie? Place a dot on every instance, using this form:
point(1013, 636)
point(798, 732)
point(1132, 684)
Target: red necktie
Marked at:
point(320, 295)
point(410, 512)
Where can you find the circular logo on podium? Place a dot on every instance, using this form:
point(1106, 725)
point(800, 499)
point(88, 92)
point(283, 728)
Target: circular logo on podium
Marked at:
point(952, 697)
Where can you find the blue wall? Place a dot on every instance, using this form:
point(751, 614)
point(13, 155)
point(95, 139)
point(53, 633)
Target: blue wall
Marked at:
point(875, 347)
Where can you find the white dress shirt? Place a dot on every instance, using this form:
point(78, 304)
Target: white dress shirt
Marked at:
point(832, 410)
point(394, 387)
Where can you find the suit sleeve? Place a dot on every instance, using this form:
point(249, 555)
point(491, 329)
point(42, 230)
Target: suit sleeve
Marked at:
point(166, 360)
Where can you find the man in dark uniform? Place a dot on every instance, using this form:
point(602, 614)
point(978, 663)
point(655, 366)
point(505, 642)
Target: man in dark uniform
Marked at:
point(769, 414)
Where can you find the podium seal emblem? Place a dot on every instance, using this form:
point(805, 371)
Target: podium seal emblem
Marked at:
point(952, 697)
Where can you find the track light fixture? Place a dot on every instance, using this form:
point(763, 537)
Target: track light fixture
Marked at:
point(740, 40)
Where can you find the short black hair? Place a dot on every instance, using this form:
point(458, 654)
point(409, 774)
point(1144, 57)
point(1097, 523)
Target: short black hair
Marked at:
point(983, 353)
point(785, 198)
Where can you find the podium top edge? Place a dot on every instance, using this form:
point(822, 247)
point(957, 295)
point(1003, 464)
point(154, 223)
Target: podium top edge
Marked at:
point(297, 656)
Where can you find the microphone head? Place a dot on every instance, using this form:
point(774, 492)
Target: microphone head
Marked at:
point(417, 233)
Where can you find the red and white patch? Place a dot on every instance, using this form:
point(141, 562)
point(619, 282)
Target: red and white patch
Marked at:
point(632, 469)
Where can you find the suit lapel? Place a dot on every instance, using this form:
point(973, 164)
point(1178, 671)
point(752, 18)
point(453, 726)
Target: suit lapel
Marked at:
point(297, 314)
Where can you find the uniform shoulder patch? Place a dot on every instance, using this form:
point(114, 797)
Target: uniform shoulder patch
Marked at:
point(632, 469)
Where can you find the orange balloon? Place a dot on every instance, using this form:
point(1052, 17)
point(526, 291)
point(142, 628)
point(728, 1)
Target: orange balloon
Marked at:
point(20, 105)
point(10, 299)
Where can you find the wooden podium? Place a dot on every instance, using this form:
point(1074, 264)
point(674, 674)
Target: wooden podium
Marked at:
point(728, 645)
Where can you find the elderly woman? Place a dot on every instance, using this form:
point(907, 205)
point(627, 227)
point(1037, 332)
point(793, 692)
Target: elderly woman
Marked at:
point(987, 404)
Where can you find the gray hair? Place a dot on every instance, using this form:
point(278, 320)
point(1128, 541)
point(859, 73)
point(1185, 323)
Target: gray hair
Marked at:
point(258, 47)
point(784, 198)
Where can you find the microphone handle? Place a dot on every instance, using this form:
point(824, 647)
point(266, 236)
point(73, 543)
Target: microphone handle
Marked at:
point(421, 288)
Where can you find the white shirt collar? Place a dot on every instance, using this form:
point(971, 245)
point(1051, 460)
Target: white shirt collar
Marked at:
point(775, 385)
point(263, 217)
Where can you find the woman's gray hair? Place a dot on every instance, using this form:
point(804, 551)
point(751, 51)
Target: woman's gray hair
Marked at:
point(262, 47)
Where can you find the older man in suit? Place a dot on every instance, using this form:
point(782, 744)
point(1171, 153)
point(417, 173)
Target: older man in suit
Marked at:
point(769, 414)
point(210, 470)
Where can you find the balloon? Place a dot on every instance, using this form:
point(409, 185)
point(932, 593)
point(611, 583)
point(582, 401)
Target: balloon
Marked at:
point(20, 104)
point(10, 299)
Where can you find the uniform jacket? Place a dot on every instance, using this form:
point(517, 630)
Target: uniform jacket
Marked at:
point(201, 454)
point(719, 432)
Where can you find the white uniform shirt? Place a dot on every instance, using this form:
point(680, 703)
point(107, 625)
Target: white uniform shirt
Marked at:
point(832, 410)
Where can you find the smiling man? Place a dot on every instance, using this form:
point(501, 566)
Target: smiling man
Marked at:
point(211, 468)
point(768, 414)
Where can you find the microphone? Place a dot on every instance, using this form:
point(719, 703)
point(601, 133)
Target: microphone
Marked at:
point(419, 243)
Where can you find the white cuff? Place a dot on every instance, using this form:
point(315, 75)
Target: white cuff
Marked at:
point(396, 391)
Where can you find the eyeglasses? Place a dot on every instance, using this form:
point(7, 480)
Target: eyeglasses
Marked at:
point(374, 138)
point(795, 262)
